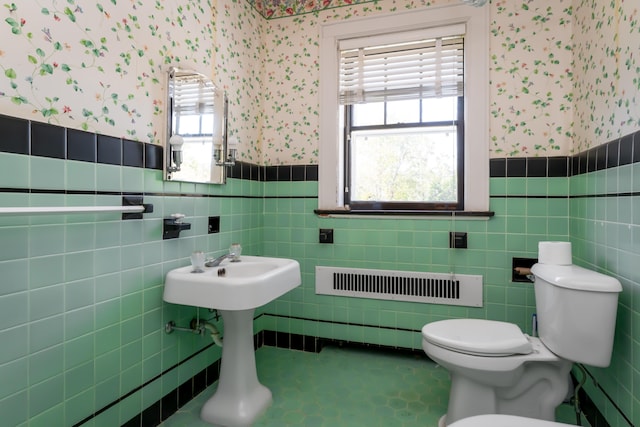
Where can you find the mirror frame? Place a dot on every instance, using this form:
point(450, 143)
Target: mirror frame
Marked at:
point(218, 173)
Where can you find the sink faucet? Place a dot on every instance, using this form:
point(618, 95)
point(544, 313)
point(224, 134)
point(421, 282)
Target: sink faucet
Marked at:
point(216, 262)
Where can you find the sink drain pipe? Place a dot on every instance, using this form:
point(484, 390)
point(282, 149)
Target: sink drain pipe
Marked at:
point(213, 331)
point(196, 327)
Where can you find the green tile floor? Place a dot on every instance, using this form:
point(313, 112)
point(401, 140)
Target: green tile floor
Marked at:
point(347, 386)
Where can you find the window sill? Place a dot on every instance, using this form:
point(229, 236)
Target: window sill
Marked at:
point(444, 214)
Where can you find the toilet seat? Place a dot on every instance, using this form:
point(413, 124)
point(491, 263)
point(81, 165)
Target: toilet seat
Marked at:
point(495, 420)
point(478, 337)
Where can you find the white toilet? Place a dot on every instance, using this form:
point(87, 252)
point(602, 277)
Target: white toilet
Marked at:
point(497, 420)
point(496, 369)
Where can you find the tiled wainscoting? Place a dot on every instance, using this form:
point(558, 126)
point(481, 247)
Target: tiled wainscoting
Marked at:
point(81, 295)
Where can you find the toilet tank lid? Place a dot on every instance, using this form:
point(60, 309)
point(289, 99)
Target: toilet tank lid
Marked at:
point(576, 277)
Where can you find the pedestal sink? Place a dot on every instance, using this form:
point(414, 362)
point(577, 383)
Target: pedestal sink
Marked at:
point(235, 289)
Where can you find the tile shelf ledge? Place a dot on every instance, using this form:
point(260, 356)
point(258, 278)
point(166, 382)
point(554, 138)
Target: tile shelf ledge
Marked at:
point(68, 210)
point(132, 208)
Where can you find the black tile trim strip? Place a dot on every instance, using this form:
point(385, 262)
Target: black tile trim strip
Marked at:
point(24, 137)
point(46, 140)
point(618, 152)
point(364, 325)
point(282, 173)
point(591, 411)
point(599, 420)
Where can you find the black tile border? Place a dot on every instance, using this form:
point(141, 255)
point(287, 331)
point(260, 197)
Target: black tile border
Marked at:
point(81, 146)
point(15, 135)
point(109, 150)
point(618, 152)
point(132, 153)
point(153, 156)
point(22, 136)
point(48, 141)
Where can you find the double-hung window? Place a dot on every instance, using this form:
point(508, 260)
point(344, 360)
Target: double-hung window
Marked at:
point(404, 113)
point(403, 108)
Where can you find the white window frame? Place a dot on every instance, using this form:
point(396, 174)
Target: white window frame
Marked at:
point(476, 78)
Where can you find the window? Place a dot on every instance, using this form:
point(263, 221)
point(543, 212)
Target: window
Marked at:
point(404, 112)
point(402, 103)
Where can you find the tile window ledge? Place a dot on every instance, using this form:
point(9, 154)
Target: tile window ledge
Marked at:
point(405, 213)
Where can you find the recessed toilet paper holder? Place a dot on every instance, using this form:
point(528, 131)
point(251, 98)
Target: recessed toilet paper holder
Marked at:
point(521, 269)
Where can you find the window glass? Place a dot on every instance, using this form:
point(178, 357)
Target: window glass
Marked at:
point(188, 124)
point(406, 111)
point(439, 109)
point(207, 124)
point(368, 114)
point(408, 165)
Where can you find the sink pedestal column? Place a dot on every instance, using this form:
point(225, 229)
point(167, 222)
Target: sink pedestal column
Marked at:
point(240, 399)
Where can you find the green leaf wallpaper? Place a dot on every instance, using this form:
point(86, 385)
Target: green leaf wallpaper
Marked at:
point(564, 73)
point(99, 66)
point(606, 89)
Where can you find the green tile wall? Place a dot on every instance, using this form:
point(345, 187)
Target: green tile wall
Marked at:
point(524, 215)
point(600, 218)
point(81, 295)
point(605, 234)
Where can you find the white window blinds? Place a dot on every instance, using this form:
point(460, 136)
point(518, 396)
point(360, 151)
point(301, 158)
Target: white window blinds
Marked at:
point(413, 65)
point(192, 95)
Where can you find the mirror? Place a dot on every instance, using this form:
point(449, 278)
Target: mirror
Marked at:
point(196, 128)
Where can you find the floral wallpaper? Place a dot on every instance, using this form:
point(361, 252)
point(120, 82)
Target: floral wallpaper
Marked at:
point(531, 78)
point(99, 66)
point(239, 69)
point(607, 68)
point(564, 73)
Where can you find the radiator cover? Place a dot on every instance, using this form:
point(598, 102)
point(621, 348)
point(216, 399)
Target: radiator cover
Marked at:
point(392, 285)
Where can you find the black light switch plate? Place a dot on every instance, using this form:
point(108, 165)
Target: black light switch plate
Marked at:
point(325, 235)
point(458, 240)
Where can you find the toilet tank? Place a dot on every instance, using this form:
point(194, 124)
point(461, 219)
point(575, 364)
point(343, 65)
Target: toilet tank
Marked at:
point(576, 311)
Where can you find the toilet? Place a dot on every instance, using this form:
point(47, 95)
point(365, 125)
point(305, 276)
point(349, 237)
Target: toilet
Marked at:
point(496, 420)
point(496, 369)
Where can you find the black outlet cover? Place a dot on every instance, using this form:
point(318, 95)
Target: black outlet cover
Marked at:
point(325, 235)
point(214, 224)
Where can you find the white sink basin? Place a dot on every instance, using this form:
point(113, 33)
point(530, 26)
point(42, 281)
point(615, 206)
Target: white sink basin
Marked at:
point(250, 283)
point(236, 289)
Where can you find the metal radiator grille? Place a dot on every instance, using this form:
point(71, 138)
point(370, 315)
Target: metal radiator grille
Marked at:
point(436, 288)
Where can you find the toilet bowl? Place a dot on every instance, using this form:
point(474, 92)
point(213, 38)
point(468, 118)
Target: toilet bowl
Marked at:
point(494, 420)
point(496, 369)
